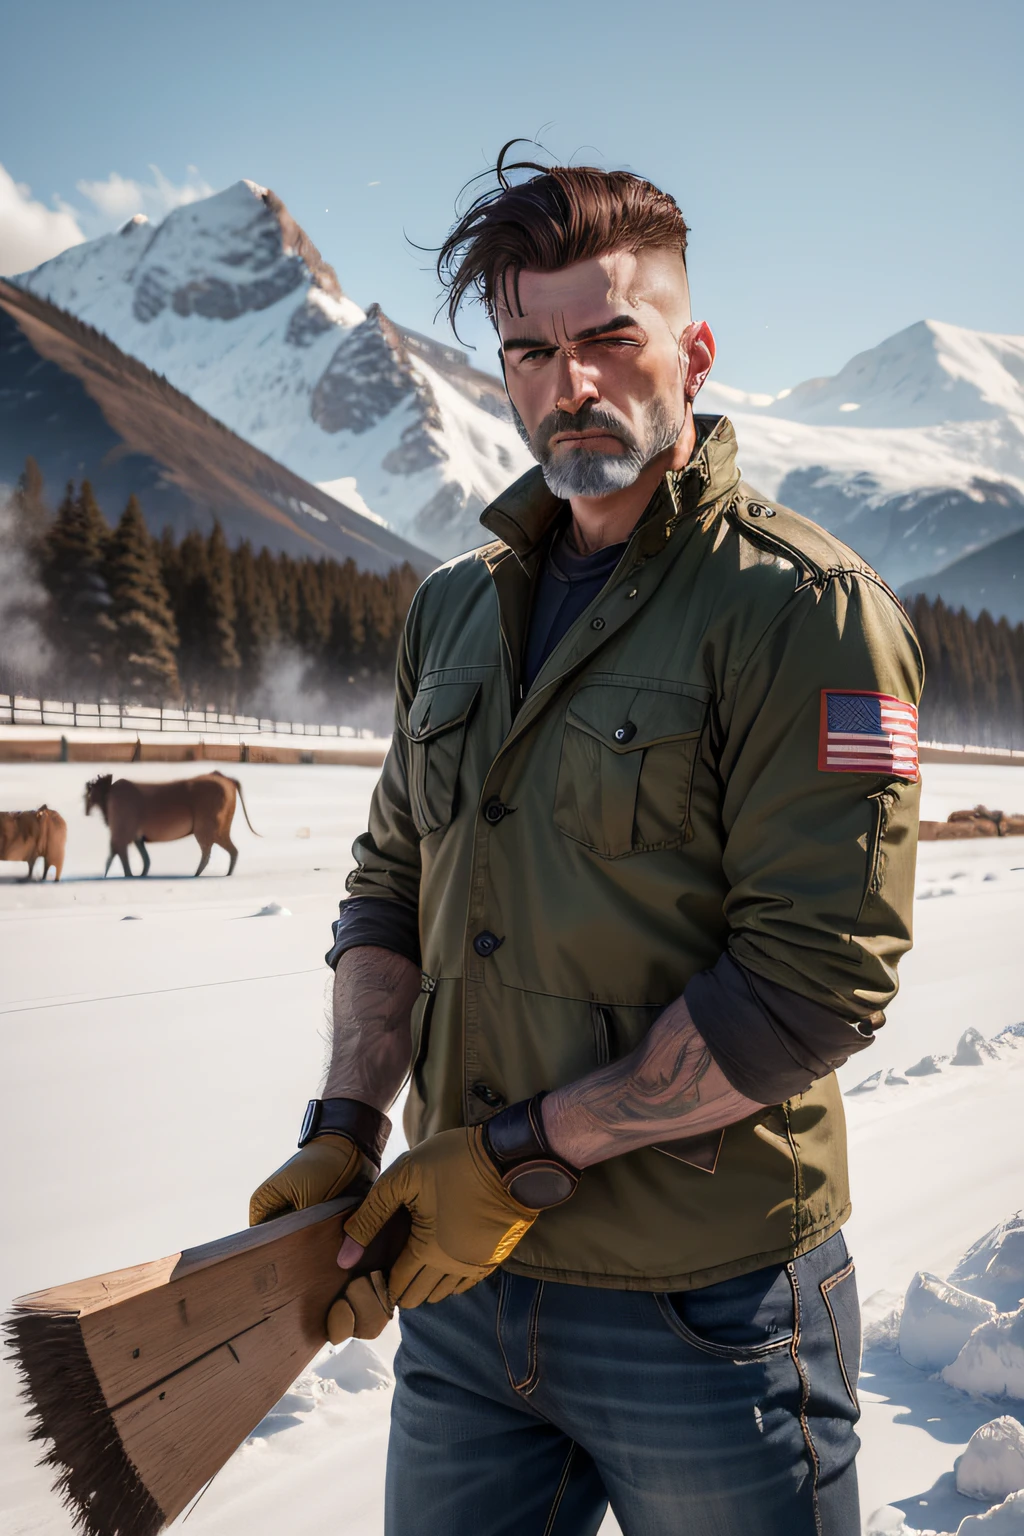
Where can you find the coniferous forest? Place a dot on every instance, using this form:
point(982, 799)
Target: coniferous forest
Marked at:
point(93, 610)
point(121, 615)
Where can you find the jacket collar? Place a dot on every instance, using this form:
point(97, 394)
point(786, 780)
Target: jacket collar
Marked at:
point(522, 515)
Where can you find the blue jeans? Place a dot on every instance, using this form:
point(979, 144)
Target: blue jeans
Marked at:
point(522, 1408)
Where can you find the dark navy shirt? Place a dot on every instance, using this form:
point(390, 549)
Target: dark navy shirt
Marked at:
point(567, 584)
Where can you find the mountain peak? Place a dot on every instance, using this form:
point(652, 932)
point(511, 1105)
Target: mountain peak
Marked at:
point(929, 373)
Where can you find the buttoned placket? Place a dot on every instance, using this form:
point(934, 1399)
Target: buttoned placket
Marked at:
point(651, 551)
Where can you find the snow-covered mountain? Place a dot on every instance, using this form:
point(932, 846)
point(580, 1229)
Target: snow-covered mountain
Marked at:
point(913, 453)
point(230, 300)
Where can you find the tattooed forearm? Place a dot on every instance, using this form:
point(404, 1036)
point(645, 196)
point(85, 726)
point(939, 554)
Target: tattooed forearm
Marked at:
point(669, 1087)
point(374, 990)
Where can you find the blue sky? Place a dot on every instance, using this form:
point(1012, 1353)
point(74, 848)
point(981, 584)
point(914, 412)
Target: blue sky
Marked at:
point(846, 170)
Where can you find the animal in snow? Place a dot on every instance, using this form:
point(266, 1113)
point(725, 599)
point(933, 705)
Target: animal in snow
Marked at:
point(32, 835)
point(202, 807)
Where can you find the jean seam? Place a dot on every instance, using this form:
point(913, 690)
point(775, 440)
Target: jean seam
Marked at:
point(740, 1354)
point(825, 1287)
point(524, 1387)
point(563, 1483)
point(805, 1395)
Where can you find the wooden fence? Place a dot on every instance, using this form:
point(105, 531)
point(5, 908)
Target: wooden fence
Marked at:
point(15, 710)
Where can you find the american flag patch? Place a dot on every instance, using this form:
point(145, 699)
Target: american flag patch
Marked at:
point(867, 733)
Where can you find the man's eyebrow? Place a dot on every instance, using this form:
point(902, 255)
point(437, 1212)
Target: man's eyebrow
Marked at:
point(620, 323)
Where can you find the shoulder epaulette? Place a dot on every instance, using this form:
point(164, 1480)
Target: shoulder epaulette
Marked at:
point(816, 553)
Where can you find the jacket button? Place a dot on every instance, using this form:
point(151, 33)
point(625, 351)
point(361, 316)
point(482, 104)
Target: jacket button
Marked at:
point(494, 810)
point(626, 732)
point(597, 623)
point(486, 943)
point(489, 1096)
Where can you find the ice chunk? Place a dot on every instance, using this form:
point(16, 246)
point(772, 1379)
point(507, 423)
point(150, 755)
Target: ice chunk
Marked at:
point(992, 1466)
point(973, 1050)
point(937, 1321)
point(354, 1367)
point(880, 1320)
point(868, 1084)
point(1006, 1519)
point(894, 1079)
point(926, 1066)
point(992, 1360)
point(994, 1265)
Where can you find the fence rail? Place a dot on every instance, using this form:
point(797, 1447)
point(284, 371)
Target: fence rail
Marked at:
point(14, 710)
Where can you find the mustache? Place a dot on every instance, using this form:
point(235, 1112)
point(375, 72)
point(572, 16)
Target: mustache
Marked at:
point(586, 418)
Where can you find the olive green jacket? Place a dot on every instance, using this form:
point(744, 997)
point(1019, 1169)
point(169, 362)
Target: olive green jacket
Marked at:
point(570, 880)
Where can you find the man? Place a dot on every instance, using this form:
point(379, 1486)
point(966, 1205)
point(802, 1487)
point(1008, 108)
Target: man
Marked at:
point(637, 876)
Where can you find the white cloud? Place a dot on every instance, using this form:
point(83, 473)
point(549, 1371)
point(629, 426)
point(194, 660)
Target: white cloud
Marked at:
point(29, 231)
point(118, 197)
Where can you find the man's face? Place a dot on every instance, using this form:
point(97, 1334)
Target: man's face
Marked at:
point(601, 365)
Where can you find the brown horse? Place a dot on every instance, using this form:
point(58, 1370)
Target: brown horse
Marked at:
point(203, 806)
point(32, 835)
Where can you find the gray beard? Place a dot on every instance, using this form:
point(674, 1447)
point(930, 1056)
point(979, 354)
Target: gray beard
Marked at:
point(582, 472)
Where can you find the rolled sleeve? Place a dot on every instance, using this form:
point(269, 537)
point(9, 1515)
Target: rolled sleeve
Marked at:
point(770, 1042)
point(370, 920)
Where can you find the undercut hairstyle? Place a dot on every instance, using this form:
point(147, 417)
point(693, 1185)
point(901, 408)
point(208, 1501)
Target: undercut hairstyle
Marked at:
point(560, 215)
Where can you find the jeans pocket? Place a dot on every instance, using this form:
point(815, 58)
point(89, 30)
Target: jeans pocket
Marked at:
point(839, 1293)
point(745, 1319)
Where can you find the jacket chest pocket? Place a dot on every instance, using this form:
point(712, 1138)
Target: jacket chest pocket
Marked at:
point(436, 734)
point(626, 768)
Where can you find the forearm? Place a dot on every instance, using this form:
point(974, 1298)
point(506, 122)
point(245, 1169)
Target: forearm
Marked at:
point(669, 1087)
point(374, 991)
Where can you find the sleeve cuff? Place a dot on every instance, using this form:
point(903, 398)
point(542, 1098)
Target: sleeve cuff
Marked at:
point(770, 1042)
point(374, 920)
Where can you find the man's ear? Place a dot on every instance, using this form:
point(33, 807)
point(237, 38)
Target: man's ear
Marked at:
point(700, 354)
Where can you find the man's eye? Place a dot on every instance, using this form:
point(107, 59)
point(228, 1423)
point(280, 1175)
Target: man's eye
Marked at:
point(538, 354)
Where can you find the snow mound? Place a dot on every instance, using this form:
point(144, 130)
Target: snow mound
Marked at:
point(1006, 1519)
point(887, 1521)
point(271, 909)
point(991, 1363)
point(992, 1466)
point(973, 1050)
point(937, 1321)
point(355, 1367)
point(926, 1066)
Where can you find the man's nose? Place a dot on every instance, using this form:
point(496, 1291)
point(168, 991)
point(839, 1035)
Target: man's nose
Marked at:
point(576, 386)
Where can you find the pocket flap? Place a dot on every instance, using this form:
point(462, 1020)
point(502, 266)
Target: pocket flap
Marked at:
point(440, 707)
point(626, 717)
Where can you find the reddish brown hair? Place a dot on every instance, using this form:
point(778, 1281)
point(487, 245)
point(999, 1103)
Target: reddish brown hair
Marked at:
point(559, 215)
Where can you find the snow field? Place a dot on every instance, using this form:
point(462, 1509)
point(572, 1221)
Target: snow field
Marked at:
point(160, 1040)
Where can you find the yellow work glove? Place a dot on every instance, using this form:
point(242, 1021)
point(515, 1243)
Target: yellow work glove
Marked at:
point(362, 1312)
point(321, 1170)
point(464, 1221)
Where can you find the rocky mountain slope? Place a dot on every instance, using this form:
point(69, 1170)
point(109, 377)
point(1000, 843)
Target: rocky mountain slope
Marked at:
point(81, 408)
point(230, 300)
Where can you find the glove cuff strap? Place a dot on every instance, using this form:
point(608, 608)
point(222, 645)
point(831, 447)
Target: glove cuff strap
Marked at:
point(366, 1127)
point(530, 1170)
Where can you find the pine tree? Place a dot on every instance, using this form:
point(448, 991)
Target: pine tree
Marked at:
point(72, 566)
point(30, 509)
point(256, 628)
point(146, 637)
